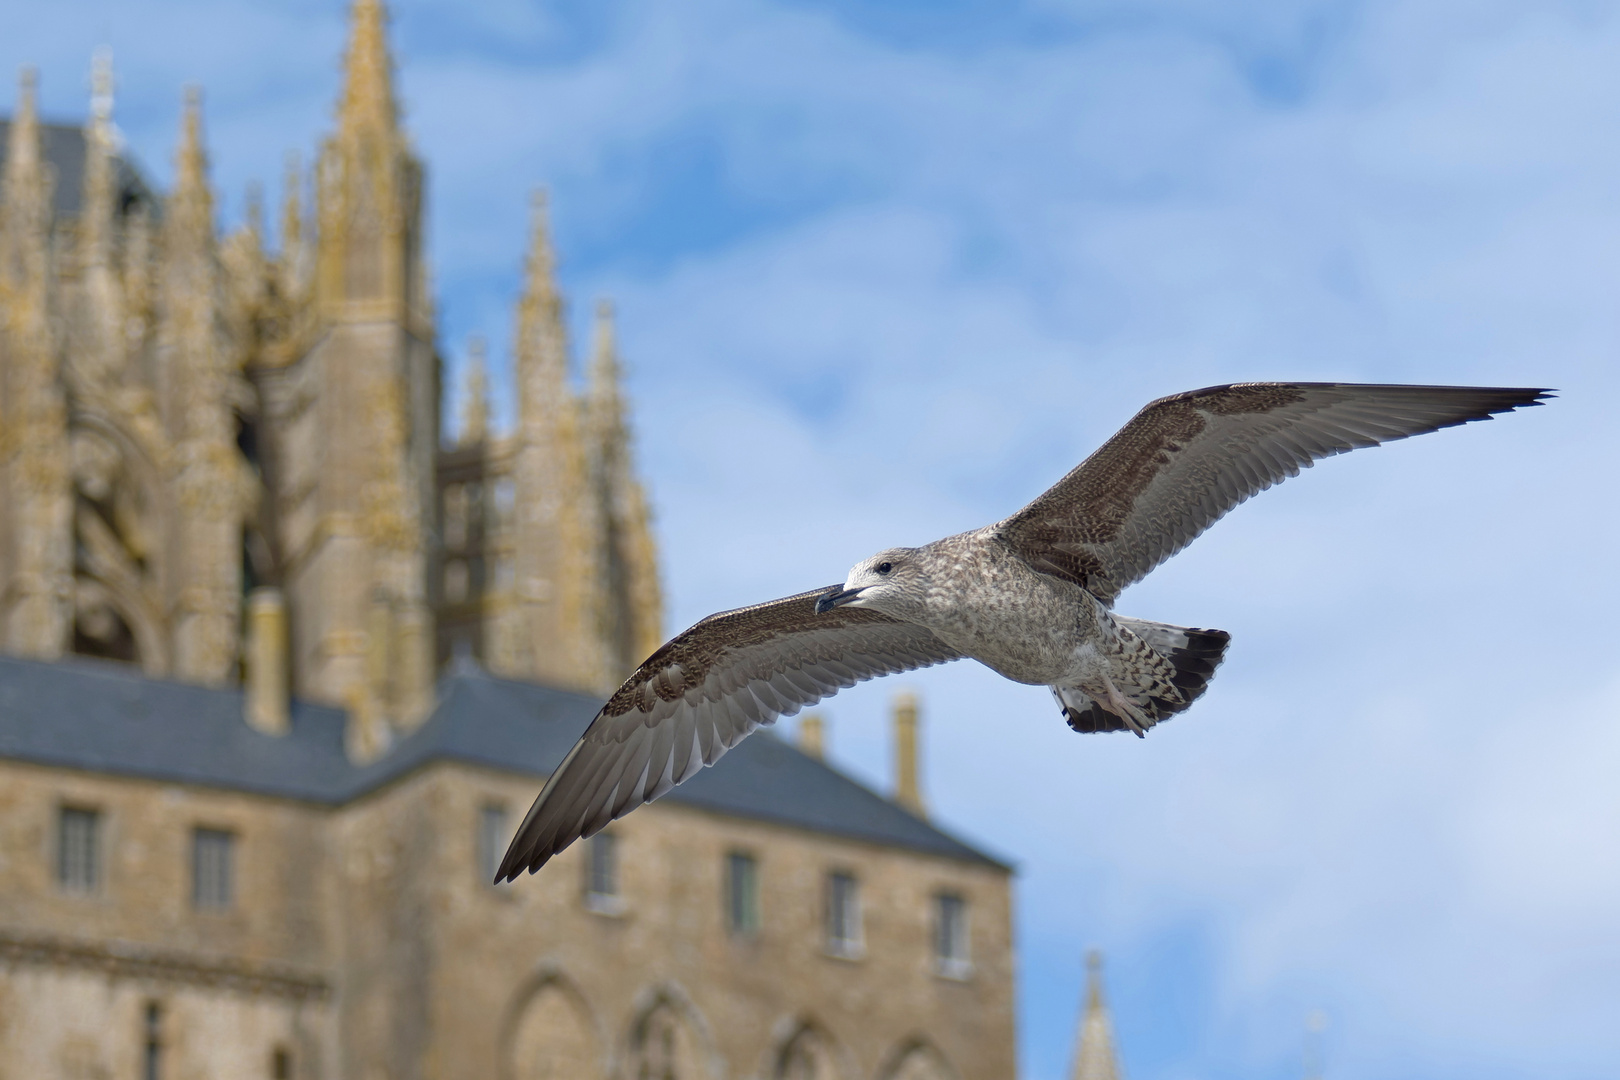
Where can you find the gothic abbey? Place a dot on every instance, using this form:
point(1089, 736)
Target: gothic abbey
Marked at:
point(280, 671)
point(188, 422)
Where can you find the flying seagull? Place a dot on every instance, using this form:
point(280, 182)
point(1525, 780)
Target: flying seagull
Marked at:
point(1030, 597)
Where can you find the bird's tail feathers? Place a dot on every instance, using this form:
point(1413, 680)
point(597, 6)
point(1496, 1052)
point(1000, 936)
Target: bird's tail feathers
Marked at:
point(1193, 653)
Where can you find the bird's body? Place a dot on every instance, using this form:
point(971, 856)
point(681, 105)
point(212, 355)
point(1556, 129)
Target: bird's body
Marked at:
point(990, 606)
point(1030, 597)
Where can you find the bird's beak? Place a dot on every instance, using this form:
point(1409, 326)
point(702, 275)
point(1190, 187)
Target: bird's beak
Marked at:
point(835, 598)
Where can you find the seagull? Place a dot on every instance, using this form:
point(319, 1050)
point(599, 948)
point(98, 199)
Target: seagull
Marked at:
point(1031, 597)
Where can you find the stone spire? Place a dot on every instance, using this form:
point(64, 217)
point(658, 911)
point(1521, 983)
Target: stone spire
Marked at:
point(368, 74)
point(96, 354)
point(552, 635)
point(100, 147)
point(369, 190)
point(36, 527)
point(1094, 1055)
point(293, 266)
point(194, 359)
point(632, 608)
point(362, 585)
point(475, 396)
point(190, 209)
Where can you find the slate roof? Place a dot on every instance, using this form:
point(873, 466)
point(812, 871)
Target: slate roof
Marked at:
point(102, 717)
point(63, 147)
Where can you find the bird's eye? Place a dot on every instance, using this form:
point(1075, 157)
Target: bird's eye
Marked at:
point(884, 568)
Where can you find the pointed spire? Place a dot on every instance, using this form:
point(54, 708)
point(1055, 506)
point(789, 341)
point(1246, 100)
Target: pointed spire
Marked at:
point(191, 204)
point(368, 82)
point(23, 169)
point(605, 356)
point(475, 396)
point(292, 209)
point(1094, 1054)
point(97, 202)
point(542, 348)
point(540, 276)
point(102, 84)
point(191, 161)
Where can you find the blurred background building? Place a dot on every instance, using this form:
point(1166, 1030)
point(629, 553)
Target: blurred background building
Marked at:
point(284, 668)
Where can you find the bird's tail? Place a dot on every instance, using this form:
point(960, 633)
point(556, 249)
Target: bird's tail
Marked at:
point(1193, 655)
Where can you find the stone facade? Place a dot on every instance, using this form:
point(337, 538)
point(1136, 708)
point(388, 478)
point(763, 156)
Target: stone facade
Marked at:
point(356, 934)
point(185, 417)
point(283, 669)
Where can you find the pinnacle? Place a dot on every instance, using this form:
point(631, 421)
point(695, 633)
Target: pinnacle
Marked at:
point(540, 272)
point(605, 361)
point(22, 151)
point(191, 160)
point(368, 91)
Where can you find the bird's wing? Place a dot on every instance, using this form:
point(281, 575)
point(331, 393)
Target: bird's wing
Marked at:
point(700, 695)
point(1184, 461)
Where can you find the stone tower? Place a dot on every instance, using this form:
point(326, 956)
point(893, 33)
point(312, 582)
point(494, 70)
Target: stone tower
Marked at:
point(186, 419)
point(357, 536)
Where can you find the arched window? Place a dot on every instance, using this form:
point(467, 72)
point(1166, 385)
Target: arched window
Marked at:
point(663, 1046)
point(554, 1039)
point(806, 1056)
point(918, 1061)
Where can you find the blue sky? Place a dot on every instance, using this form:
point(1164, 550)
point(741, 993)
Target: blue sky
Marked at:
point(886, 270)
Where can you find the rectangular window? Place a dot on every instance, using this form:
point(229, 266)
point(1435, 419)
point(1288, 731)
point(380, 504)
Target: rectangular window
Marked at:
point(742, 893)
point(78, 850)
point(211, 868)
point(602, 874)
point(492, 840)
point(152, 1064)
point(281, 1064)
point(951, 955)
point(843, 915)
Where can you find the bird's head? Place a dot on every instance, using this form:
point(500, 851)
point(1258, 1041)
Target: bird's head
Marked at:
point(891, 582)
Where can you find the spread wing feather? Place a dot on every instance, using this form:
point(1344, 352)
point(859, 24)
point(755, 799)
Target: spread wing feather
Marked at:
point(700, 695)
point(1184, 461)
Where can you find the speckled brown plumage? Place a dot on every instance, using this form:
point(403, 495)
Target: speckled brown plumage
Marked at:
point(1030, 597)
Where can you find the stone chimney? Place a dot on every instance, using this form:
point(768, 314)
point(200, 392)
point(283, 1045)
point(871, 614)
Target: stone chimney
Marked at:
point(265, 701)
point(907, 791)
point(813, 735)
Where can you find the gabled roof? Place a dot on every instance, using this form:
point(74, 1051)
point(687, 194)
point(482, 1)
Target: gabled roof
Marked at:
point(106, 718)
point(63, 147)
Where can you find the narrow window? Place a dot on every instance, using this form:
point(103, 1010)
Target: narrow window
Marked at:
point(742, 893)
point(152, 1060)
point(491, 840)
point(951, 955)
point(78, 855)
point(211, 868)
point(602, 874)
point(281, 1064)
point(843, 915)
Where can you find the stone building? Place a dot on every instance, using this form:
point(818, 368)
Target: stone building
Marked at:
point(283, 669)
point(184, 895)
point(185, 419)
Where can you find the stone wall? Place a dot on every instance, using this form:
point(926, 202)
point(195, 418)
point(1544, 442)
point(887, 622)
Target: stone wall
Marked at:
point(365, 941)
